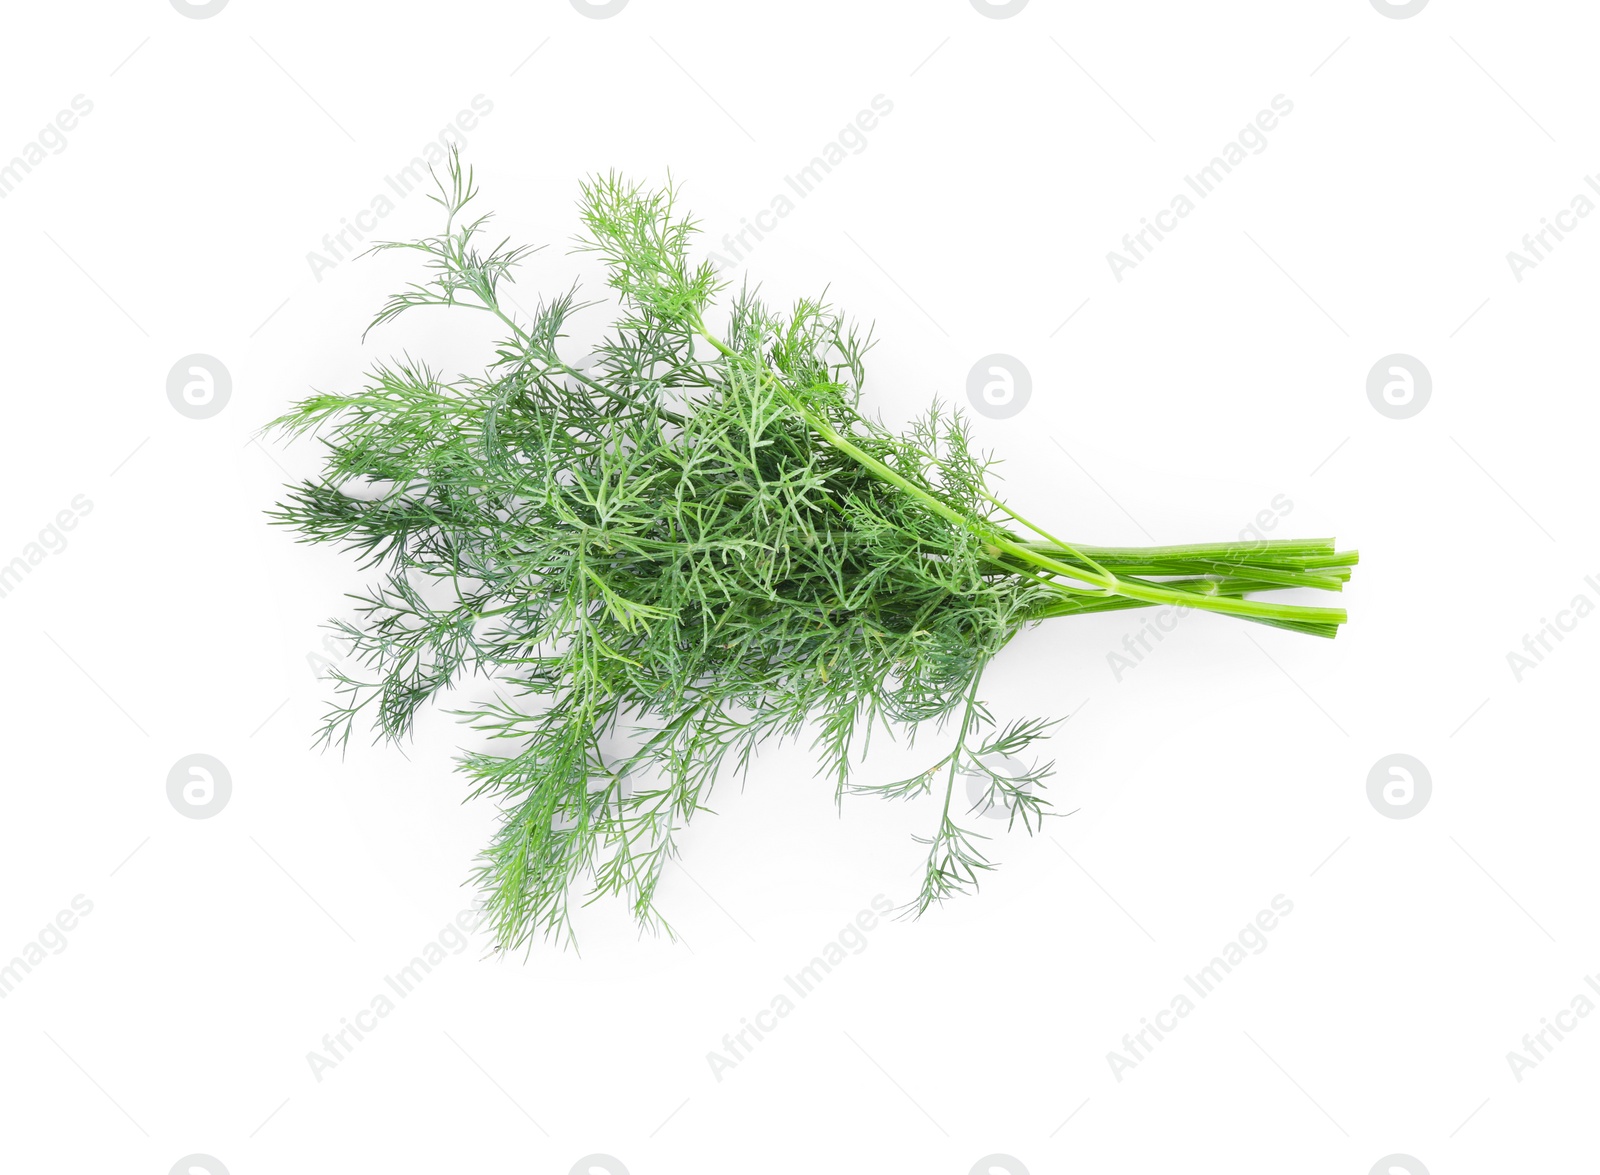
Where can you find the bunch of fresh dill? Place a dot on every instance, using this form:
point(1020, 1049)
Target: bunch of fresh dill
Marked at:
point(689, 546)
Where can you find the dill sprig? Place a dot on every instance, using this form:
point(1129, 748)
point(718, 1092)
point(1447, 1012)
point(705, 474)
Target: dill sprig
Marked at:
point(686, 548)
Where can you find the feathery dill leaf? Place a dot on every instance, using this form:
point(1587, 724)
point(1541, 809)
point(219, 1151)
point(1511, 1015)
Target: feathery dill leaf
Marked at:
point(688, 547)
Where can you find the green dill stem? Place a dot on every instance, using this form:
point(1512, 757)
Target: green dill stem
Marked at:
point(961, 740)
point(1147, 592)
point(1244, 549)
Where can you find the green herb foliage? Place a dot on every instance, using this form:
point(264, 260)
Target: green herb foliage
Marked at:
point(686, 548)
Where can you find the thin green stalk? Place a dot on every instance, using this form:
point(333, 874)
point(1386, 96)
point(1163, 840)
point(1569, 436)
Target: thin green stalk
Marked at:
point(1149, 593)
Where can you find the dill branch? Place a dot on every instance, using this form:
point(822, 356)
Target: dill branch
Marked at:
point(692, 547)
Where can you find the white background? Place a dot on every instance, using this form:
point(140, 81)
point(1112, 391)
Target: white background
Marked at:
point(1229, 767)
